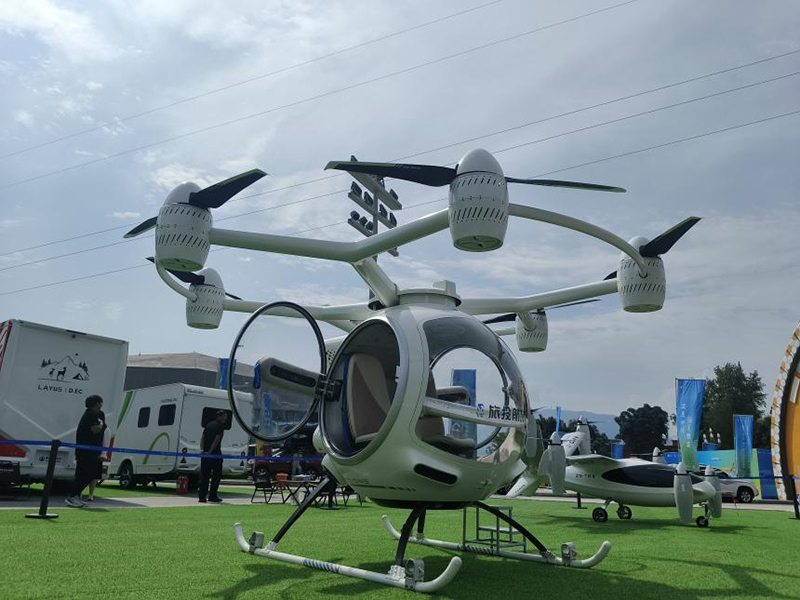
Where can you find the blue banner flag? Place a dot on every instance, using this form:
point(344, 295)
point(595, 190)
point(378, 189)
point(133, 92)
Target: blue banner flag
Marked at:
point(743, 443)
point(617, 450)
point(689, 395)
point(222, 373)
point(466, 378)
point(558, 420)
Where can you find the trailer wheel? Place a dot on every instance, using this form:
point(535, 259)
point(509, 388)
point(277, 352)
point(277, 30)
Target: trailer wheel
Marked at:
point(126, 478)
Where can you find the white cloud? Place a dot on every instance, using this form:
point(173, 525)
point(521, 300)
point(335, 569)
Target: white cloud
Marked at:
point(94, 86)
point(67, 32)
point(113, 310)
point(126, 215)
point(23, 117)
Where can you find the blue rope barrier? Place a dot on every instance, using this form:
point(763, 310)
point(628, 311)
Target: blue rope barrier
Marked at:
point(164, 453)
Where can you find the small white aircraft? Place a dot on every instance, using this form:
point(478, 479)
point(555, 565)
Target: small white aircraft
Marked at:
point(632, 481)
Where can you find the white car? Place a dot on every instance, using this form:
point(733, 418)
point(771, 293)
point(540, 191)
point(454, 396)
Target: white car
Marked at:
point(742, 490)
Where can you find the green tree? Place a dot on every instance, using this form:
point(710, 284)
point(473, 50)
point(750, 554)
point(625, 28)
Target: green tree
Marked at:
point(729, 393)
point(643, 428)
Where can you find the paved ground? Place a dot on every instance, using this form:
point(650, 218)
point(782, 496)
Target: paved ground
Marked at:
point(161, 501)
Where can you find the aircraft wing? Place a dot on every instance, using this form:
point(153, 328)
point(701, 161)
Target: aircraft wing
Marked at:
point(591, 459)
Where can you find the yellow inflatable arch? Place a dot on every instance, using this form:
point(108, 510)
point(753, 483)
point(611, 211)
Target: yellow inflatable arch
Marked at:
point(785, 417)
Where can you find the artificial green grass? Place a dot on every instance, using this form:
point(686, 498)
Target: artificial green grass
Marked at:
point(176, 553)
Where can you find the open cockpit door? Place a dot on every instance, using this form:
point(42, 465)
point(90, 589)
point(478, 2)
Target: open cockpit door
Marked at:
point(279, 360)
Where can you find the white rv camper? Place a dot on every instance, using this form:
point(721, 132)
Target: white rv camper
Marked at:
point(46, 373)
point(171, 418)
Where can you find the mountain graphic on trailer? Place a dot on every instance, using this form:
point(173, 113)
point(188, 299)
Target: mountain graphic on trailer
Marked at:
point(69, 368)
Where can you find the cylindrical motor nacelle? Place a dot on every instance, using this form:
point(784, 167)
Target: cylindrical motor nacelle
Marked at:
point(205, 311)
point(641, 292)
point(535, 339)
point(478, 211)
point(182, 231)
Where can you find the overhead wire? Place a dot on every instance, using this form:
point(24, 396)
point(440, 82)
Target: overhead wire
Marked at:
point(310, 98)
point(250, 79)
point(450, 145)
point(623, 154)
point(498, 151)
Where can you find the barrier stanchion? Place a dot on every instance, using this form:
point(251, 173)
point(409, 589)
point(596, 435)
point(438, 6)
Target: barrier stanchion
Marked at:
point(48, 485)
point(579, 505)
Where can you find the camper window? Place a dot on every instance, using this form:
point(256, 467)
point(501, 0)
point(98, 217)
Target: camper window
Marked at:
point(144, 417)
point(166, 415)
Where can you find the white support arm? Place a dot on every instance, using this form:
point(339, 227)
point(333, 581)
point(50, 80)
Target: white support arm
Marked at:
point(492, 415)
point(378, 281)
point(546, 216)
point(349, 252)
point(329, 314)
point(177, 287)
point(505, 331)
point(485, 306)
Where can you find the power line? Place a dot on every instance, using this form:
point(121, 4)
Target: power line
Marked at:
point(309, 99)
point(450, 145)
point(506, 149)
point(592, 162)
point(249, 80)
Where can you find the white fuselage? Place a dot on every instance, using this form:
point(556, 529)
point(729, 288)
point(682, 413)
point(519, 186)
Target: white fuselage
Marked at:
point(631, 481)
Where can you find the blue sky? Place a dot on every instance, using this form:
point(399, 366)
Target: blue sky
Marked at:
point(66, 67)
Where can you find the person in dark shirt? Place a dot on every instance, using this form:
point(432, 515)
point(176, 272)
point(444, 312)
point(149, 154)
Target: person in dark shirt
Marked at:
point(99, 471)
point(211, 468)
point(87, 462)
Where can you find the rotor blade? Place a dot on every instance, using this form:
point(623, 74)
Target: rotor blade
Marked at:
point(142, 227)
point(501, 319)
point(424, 174)
point(184, 276)
point(575, 303)
point(665, 241)
point(568, 184)
point(218, 194)
point(612, 275)
point(232, 296)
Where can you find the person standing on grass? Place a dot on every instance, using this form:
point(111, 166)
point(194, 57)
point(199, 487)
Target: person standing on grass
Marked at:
point(211, 468)
point(88, 463)
point(99, 475)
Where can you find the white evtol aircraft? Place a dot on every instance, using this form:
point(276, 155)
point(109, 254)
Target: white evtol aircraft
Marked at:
point(632, 481)
point(380, 409)
point(628, 482)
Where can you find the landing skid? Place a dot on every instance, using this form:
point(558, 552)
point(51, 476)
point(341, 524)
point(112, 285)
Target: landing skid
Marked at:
point(567, 558)
point(409, 574)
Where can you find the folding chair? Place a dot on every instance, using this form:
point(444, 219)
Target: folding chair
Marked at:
point(263, 483)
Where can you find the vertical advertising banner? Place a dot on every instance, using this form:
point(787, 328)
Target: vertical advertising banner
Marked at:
point(743, 443)
point(466, 378)
point(558, 420)
point(222, 373)
point(617, 450)
point(689, 395)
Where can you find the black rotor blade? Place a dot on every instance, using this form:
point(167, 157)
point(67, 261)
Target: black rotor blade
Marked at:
point(574, 303)
point(501, 319)
point(184, 276)
point(218, 194)
point(424, 174)
point(568, 184)
point(612, 275)
point(665, 241)
point(232, 296)
point(142, 227)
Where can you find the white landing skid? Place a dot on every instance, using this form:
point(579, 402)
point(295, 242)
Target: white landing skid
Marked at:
point(396, 577)
point(567, 558)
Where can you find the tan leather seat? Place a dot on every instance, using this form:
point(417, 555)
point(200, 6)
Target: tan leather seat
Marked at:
point(430, 429)
point(368, 399)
